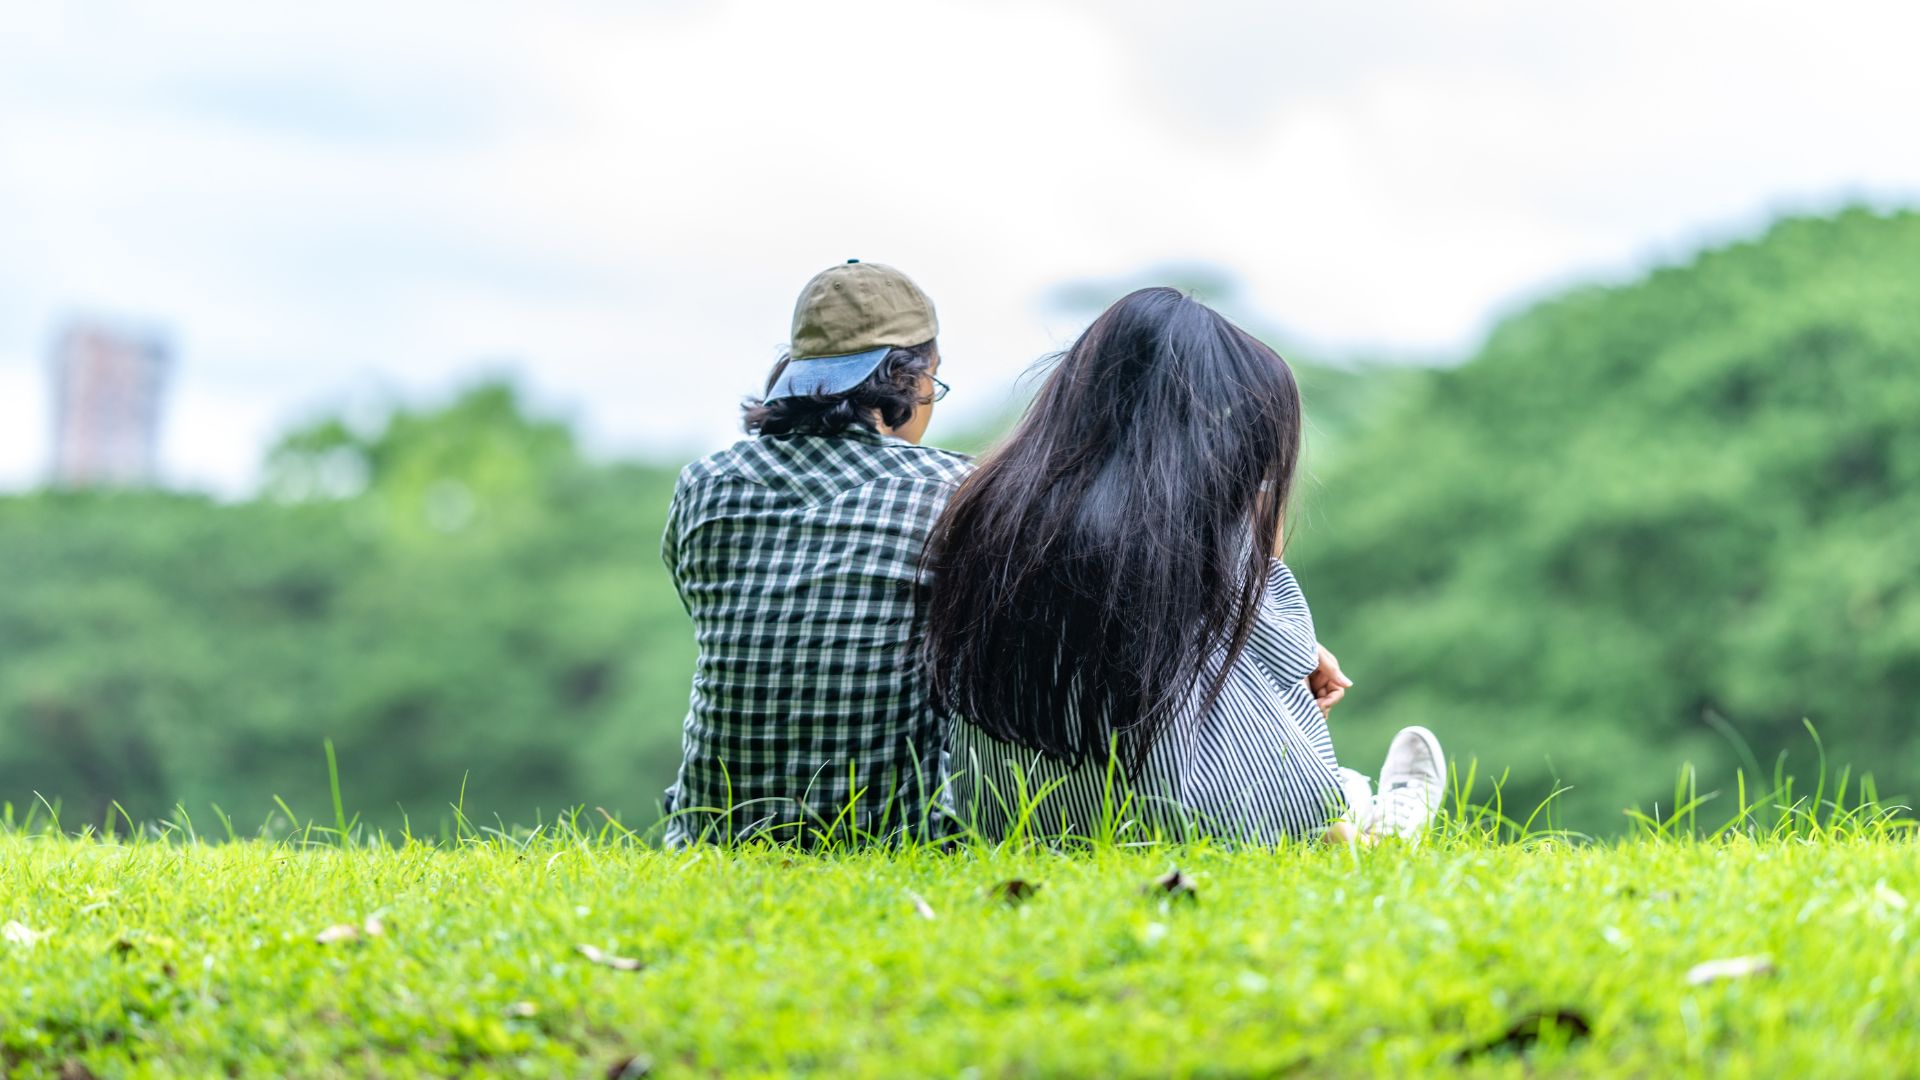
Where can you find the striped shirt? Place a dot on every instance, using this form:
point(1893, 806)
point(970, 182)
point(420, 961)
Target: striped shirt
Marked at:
point(1257, 765)
point(797, 557)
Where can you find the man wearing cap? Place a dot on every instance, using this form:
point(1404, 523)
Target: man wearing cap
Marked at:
point(796, 552)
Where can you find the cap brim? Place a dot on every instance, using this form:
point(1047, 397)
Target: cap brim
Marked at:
point(826, 374)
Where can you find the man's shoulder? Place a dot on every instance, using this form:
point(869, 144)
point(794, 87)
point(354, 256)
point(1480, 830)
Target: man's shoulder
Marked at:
point(717, 465)
point(929, 461)
point(829, 461)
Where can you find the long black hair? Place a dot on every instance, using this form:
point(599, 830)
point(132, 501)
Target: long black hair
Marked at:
point(888, 396)
point(1088, 572)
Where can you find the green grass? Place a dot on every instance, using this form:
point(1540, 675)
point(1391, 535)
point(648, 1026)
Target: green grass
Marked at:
point(166, 956)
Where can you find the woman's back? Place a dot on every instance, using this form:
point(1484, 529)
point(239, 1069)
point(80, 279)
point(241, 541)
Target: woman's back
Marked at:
point(1256, 763)
point(1105, 589)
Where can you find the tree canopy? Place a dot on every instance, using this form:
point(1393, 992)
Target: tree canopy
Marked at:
point(1663, 521)
point(455, 599)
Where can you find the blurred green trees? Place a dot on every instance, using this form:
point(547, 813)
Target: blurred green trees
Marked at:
point(1646, 524)
point(455, 591)
point(1660, 522)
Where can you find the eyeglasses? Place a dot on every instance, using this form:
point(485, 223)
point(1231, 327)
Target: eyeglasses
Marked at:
point(939, 389)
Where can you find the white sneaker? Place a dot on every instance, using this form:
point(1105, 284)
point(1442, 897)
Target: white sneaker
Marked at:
point(1412, 783)
point(1357, 787)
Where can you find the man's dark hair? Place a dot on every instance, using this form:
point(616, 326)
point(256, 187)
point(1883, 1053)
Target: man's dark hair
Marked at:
point(889, 395)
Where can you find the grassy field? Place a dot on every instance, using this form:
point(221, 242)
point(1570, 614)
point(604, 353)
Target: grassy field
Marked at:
point(564, 954)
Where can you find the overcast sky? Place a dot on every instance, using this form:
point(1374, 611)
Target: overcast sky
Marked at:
point(619, 201)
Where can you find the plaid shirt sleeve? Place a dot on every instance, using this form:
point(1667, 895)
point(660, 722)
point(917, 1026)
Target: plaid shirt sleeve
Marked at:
point(670, 538)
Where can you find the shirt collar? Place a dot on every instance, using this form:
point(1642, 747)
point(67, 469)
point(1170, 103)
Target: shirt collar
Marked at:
point(862, 433)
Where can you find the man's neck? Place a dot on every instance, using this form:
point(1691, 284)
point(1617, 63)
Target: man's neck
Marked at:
point(896, 433)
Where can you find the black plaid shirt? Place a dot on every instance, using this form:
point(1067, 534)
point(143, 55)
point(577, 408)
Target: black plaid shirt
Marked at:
point(798, 558)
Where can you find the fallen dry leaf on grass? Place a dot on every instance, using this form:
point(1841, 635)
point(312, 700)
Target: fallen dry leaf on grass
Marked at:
point(16, 933)
point(133, 941)
point(1013, 890)
point(1733, 967)
point(337, 934)
point(341, 933)
point(607, 959)
point(630, 1068)
point(1527, 1030)
point(1174, 885)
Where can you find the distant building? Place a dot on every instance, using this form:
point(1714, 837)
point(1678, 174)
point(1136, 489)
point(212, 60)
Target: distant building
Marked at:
point(108, 379)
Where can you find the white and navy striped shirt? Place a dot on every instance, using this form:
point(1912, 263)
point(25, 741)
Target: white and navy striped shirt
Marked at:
point(1257, 765)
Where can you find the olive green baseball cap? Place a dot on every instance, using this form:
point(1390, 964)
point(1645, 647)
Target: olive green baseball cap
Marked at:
point(847, 319)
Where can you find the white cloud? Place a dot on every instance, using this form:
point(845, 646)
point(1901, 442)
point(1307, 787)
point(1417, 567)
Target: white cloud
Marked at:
point(623, 200)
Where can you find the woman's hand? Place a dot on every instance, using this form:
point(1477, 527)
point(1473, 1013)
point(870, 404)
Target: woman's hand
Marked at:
point(1327, 682)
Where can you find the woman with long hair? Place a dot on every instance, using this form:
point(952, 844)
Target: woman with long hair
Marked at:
point(1109, 620)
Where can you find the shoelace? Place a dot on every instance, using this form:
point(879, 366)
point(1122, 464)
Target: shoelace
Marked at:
point(1400, 809)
